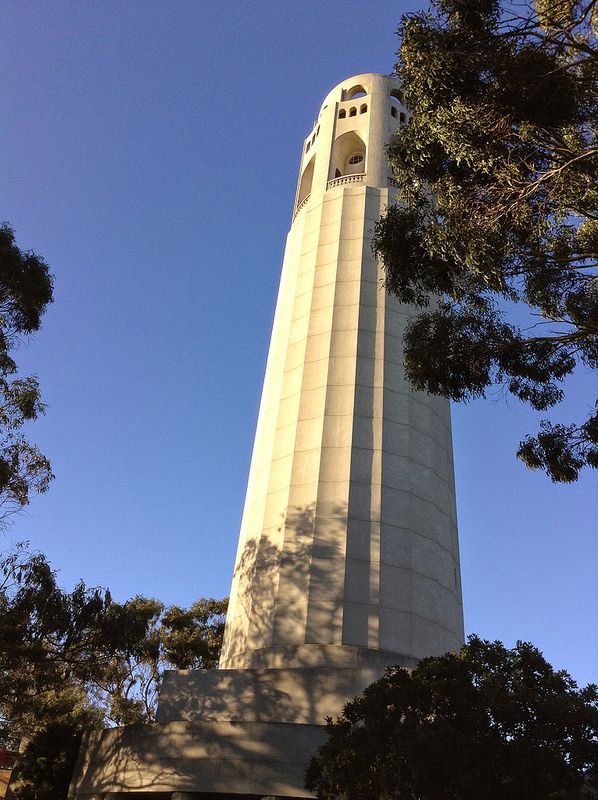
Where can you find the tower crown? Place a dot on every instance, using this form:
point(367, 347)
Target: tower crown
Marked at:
point(347, 141)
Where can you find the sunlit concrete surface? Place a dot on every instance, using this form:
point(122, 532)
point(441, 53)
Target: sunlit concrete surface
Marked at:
point(298, 695)
point(210, 757)
point(348, 555)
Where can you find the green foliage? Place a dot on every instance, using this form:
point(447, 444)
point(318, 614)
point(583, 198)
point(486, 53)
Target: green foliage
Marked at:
point(25, 291)
point(498, 208)
point(192, 638)
point(487, 722)
point(46, 764)
point(70, 661)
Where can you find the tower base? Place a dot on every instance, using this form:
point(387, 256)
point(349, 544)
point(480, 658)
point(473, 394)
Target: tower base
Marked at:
point(217, 758)
point(225, 732)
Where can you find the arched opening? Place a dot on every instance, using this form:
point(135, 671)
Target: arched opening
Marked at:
point(394, 112)
point(355, 92)
point(306, 181)
point(342, 113)
point(348, 156)
point(398, 95)
point(363, 109)
point(313, 138)
point(353, 111)
point(402, 118)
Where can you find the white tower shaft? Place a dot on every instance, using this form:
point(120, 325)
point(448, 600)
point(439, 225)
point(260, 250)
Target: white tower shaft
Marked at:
point(349, 530)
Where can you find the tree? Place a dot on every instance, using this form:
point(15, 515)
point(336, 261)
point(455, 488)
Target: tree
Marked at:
point(498, 208)
point(25, 291)
point(71, 661)
point(487, 722)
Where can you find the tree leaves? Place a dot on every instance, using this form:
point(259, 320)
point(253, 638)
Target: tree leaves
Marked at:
point(498, 205)
point(25, 291)
point(25, 286)
point(486, 722)
point(74, 660)
point(562, 450)
point(192, 638)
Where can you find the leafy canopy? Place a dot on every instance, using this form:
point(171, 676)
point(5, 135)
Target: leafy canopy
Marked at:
point(25, 291)
point(71, 661)
point(497, 211)
point(487, 722)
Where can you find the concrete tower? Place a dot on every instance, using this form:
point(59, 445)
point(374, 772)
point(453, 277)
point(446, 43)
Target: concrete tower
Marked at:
point(349, 535)
point(348, 556)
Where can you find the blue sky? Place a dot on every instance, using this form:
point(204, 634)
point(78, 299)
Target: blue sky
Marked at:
point(150, 153)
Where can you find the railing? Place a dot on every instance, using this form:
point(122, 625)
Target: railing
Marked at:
point(301, 204)
point(346, 179)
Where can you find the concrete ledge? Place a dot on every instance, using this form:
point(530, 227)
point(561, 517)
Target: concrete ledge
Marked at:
point(210, 757)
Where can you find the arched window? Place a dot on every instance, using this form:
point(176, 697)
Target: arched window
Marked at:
point(397, 95)
point(394, 111)
point(308, 146)
point(402, 118)
point(342, 113)
point(313, 138)
point(348, 155)
point(363, 109)
point(306, 179)
point(352, 111)
point(318, 131)
point(355, 92)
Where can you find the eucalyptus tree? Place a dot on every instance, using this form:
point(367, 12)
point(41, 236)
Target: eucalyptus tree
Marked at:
point(25, 292)
point(73, 661)
point(498, 208)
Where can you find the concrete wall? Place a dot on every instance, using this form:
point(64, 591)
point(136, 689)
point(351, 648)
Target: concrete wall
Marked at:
point(290, 695)
point(211, 757)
